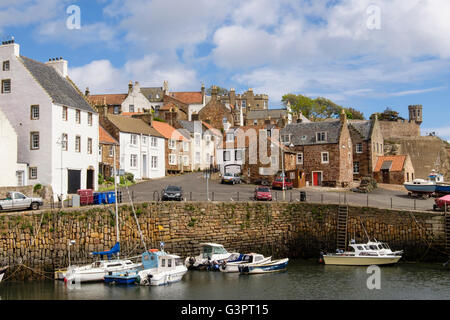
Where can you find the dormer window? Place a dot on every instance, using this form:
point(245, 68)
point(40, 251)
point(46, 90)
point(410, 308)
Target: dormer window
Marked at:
point(321, 136)
point(285, 138)
point(5, 65)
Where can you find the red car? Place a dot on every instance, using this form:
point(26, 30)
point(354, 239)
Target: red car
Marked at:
point(263, 193)
point(278, 183)
point(440, 203)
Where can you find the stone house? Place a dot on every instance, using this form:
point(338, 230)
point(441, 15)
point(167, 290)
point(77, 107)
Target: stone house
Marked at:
point(368, 145)
point(173, 110)
point(247, 100)
point(217, 114)
point(177, 145)
point(57, 129)
point(396, 169)
point(108, 152)
point(142, 148)
point(324, 151)
point(111, 102)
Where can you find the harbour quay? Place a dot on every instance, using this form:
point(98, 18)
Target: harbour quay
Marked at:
point(35, 244)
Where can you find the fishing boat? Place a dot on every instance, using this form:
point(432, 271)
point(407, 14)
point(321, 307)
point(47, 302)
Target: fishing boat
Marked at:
point(443, 188)
point(2, 272)
point(98, 269)
point(161, 268)
point(425, 187)
point(248, 259)
point(364, 254)
point(125, 277)
point(265, 267)
point(211, 257)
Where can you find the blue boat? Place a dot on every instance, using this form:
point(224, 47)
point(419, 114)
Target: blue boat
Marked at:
point(268, 267)
point(127, 277)
point(443, 188)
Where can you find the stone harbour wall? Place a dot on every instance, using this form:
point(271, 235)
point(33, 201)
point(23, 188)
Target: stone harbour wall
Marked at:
point(35, 244)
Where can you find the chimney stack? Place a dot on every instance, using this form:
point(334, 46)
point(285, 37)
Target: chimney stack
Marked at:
point(87, 92)
point(130, 86)
point(59, 64)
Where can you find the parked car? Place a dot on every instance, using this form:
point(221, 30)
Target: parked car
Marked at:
point(441, 202)
point(278, 183)
point(263, 193)
point(172, 193)
point(232, 178)
point(18, 201)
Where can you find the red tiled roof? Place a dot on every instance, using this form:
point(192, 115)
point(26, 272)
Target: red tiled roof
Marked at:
point(105, 137)
point(398, 162)
point(130, 113)
point(188, 97)
point(167, 130)
point(167, 106)
point(109, 99)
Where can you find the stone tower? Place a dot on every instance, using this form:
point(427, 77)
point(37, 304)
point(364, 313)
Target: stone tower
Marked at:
point(415, 114)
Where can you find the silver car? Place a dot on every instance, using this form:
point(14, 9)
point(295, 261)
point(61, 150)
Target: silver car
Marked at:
point(232, 178)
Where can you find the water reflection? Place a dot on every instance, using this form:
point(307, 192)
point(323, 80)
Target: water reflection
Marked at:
point(303, 280)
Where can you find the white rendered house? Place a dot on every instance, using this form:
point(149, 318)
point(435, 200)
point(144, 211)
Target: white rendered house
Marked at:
point(57, 129)
point(142, 148)
point(13, 174)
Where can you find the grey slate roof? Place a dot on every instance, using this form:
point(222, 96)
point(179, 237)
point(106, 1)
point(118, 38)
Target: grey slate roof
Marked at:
point(264, 114)
point(151, 92)
point(364, 127)
point(309, 130)
point(192, 126)
point(60, 89)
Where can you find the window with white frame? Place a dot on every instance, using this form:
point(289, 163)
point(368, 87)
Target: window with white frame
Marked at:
point(197, 139)
point(321, 136)
point(33, 173)
point(208, 157)
point(133, 160)
point(154, 163)
point(20, 180)
point(6, 86)
point(244, 103)
point(131, 108)
point(197, 158)
point(116, 110)
point(133, 139)
point(300, 158)
point(144, 140)
point(64, 142)
point(274, 160)
point(89, 119)
point(64, 113)
point(325, 157)
point(359, 148)
point(230, 136)
point(185, 160)
point(172, 159)
point(111, 151)
point(89, 146)
point(6, 65)
point(226, 156)
point(100, 150)
point(185, 146)
point(153, 142)
point(238, 154)
point(172, 144)
point(77, 144)
point(35, 112)
point(355, 167)
point(78, 116)
point(34, 140)
point(285, 138)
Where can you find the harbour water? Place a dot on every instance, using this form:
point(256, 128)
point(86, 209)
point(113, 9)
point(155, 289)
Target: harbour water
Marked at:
point(304, 280)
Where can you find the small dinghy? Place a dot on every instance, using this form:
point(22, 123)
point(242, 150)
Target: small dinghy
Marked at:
point(268, 267)
point(248, 259)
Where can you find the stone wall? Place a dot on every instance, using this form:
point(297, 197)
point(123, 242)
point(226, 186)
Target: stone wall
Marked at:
point(401, 128)
point(45, 192)
point(39, 240)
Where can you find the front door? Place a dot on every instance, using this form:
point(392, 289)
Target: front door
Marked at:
point(386, 177)
point(73, 181)
point(90, 179)
point(317, 178)
point(144, 166)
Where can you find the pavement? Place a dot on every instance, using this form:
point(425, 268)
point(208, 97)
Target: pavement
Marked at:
point(194, 189)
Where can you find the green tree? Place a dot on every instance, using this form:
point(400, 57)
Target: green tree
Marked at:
point(354, 114)
point(220, 91)
point(389, 115)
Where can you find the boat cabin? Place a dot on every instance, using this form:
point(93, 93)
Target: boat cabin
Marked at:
point(368, 249)
point(252, 257)
point(210, 249)
point(436, 177)
point(155, 259)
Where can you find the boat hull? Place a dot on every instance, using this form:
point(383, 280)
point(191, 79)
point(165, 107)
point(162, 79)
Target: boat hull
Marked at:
point(154, 278)
point(360, 261)
point(443, 188)
point(233, 267)
point(94, 275)
point(420, 188)
point(274, 266)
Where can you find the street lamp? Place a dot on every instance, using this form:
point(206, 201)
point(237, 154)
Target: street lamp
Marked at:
point(63, 142)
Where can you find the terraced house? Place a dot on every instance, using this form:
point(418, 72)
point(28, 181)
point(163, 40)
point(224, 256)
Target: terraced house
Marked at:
point(56, 127)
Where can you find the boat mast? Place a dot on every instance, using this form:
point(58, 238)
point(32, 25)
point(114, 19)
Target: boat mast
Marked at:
point(117, 200)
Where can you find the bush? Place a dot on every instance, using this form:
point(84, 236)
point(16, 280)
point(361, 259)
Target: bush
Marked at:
point(129, 176)
point(101, 180)
point(37, 187)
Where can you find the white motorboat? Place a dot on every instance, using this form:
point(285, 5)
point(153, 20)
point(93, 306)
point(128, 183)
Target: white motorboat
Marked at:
point(160, 268)
point(266, 267)
point(366, 254)
point(211, 256)
point(248, 259)
point(2, 272)
point(98, 269)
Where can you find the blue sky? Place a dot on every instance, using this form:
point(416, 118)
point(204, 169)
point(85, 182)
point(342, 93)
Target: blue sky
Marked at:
point(359, 53)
